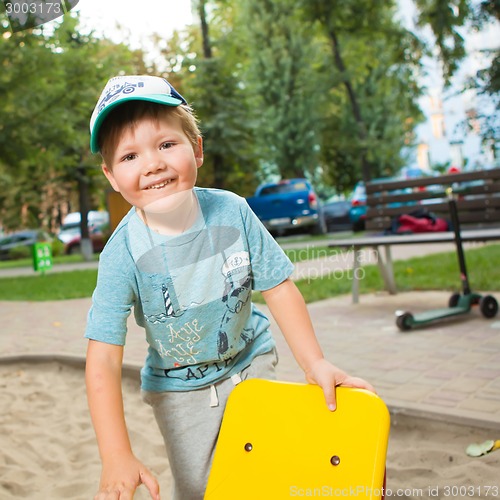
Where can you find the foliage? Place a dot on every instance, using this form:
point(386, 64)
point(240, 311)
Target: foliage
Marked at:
point(58, 247)
point(20, 252)
point(282, 79)
point(208, 72)
point(49, 84)
point(445, 19)
point(448, 22)
point(487, 80)
point(370, 92)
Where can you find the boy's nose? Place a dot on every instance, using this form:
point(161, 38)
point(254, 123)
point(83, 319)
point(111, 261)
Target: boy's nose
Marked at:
point(154, 163)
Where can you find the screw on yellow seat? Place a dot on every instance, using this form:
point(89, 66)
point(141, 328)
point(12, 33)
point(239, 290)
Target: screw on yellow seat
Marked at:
point(279, 440)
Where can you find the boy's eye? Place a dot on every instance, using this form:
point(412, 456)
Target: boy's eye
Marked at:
point(166, 145)
point(128, 157)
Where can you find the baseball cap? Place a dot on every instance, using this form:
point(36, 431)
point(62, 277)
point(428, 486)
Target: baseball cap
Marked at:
point(130, 88)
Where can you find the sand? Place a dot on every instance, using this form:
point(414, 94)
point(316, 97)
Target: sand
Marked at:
point(48, 449)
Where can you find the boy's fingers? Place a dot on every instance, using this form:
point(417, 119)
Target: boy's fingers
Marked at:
point(359, 383)
point(329, 392)
point(151, 484)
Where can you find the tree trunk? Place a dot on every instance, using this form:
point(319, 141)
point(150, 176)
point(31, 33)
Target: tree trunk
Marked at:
point(218, 160)
point(207, 48)
point(218, 166)
point(362, 135)
point(83, 198)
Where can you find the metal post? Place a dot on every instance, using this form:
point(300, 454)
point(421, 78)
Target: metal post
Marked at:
point(458, 241)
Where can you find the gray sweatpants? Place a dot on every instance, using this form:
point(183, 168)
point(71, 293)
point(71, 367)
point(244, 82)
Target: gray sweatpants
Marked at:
point(190, 426)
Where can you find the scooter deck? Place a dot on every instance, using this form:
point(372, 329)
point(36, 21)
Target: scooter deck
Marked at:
point(435, 314)
point(279, 440)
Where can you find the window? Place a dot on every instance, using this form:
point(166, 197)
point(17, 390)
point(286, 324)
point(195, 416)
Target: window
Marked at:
point(423, 157)
point(437, 122)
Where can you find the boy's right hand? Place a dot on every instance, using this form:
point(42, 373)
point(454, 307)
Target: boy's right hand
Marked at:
point(122, 475)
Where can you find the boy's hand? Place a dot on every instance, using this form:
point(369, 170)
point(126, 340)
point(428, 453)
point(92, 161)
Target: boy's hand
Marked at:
point(328, 376)
point(122, 475)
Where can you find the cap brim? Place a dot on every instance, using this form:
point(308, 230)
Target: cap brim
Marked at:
point(159, 98)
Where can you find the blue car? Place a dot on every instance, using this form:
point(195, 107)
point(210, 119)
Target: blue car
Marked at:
point(287, 205)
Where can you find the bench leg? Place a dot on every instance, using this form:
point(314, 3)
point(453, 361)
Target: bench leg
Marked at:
point(355, 274)
point(386, 269)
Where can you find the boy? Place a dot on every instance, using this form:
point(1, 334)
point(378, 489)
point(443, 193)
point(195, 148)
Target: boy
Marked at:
point(186, 259)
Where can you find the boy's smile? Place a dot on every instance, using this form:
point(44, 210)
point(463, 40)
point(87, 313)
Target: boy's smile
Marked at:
point(154, 159)
point(160, 185)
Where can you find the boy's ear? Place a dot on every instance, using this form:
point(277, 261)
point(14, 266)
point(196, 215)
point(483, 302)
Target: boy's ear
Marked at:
point(109, 175)
point(198, 152)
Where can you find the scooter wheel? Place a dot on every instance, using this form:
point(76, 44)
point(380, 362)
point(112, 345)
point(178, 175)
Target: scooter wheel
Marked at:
point(453, 302)
point(403, 322)
point(488, 306)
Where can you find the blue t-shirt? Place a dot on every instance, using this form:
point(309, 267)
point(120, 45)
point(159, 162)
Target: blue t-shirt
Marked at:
point(191, 292)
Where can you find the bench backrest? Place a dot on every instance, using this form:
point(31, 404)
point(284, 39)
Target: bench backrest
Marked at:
point(478, 198)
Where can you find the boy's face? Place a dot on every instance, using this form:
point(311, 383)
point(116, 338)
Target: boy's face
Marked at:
point(153, 160)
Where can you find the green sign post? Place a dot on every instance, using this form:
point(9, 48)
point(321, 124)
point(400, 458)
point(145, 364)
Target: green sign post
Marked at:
point(42, 257)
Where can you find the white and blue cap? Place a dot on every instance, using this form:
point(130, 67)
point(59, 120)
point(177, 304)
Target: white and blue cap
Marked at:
point(130, 88)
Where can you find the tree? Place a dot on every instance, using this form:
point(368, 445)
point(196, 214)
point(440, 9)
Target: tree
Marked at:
point(286, 104)
point(50, 83)
point(370, 89)
point(449, 22)
point(444, 17)
point(87, 63)
point(487, 80)
point(282, 82)
point(204, 64)
point(27, 94)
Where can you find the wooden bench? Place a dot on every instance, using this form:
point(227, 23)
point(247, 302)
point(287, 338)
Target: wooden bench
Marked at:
point(478, 203)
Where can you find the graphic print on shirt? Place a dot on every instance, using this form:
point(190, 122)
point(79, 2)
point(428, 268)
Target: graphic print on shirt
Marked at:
point(169, 309)
point(172, 310)
point(182, 343)
point(203, 293)
point(237, 292)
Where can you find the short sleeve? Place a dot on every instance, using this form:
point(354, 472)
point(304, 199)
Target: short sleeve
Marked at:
point(112, 300)
point(270, 265)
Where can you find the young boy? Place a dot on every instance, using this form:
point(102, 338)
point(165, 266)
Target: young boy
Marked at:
point(186, 259)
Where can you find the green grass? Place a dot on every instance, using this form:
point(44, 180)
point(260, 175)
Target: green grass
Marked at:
point(432, 272)
point(56, 286)
point(61, 259)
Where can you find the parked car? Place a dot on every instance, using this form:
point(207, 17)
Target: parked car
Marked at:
point(25, 238)
point(288, 205)
point(336, 215)
point(357, 211)
point(70, 233)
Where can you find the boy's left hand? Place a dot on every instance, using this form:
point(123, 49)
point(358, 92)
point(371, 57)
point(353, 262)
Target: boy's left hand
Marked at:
point(328, 376)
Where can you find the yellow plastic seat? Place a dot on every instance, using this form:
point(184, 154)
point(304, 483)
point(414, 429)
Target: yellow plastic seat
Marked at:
point(279, 440)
